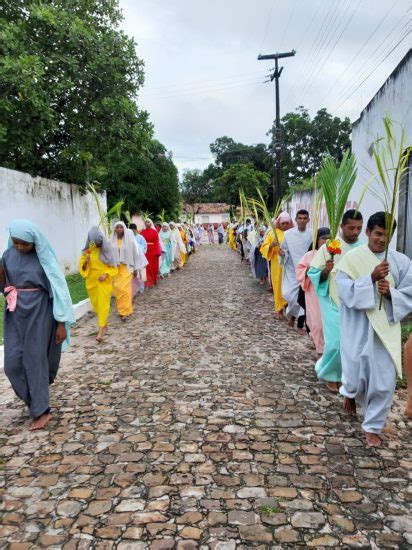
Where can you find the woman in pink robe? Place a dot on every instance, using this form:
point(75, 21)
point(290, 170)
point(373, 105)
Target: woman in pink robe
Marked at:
point(313, 313)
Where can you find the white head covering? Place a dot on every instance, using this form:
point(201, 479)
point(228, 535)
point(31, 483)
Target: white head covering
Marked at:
point(129, 253)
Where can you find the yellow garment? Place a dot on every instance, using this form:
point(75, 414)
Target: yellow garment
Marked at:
point(360, 262)
point(272, 255)
point(99, 292)
point(122, 288)
point(182, 254)
point(182, 259)
point(232, 239)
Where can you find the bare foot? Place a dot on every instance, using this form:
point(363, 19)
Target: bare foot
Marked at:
point(40, 422)
point(291, 322)
point(372, 440)
point(301, 331)
point(332, 387)
point(349, 406)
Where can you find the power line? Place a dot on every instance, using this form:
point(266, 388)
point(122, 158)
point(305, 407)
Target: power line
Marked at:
point(307, 63)
point(361, 49)
point(365, 67)
point(292, 13)
point(335, 44)
point(274, 2)
point(199, 83)
point(374, 69)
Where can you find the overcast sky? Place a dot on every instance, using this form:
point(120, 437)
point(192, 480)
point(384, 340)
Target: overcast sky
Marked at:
point(203, 79)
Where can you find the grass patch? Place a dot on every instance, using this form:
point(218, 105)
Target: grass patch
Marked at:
point(77, 290)
point(77, 287)
point(406, 331)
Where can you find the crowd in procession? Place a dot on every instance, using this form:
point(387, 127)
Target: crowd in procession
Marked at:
point(329, 289)
point(39, 311)
point(346, 294)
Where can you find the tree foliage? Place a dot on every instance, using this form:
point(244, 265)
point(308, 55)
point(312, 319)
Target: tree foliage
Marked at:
point(69, 79)
point(240, 176)
point(308, 141)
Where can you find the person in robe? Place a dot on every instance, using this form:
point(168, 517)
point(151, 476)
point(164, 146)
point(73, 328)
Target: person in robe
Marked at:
point(198, 235)
point(408, 374)
point(312, 307)
point(220, 233)
point(329, 367)
point(139, 281)
point(151, 236)
point(232, 235)
point(37, 317)
point(130, 260)
point(183, 236)
point(98, 265)
point(260, 267)
point(167, 250)
point(211, 233)
point(179, 249)
point(370, 334)
point(270, 251)
point(295, 244)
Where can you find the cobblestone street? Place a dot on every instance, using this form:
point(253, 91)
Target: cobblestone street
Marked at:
point(199, 424)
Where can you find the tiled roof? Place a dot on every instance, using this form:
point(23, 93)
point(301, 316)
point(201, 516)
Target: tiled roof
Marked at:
point(207, 208)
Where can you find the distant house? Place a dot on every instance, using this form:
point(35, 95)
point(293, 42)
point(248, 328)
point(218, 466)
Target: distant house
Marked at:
point(208, 212)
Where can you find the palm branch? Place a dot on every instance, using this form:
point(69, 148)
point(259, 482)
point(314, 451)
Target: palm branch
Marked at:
point(335, 183)
point(105, 216)
point(261, 206)
point(391, 158)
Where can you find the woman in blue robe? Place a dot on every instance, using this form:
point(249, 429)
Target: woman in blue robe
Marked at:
point(37, 317)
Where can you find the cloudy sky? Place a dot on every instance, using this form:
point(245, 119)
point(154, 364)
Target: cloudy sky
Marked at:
point(203, 79)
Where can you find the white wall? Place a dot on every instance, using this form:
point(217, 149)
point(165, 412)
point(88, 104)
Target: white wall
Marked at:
point(60, 210)
point(393, 99)
point(212, 218)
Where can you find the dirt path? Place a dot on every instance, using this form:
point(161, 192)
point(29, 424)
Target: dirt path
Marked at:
point(199, 424)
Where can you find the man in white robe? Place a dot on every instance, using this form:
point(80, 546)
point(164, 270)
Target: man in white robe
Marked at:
point(370, 336)
point(295, 244)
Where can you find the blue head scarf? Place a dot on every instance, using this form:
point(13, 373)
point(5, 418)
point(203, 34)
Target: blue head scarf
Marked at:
point(27, 231)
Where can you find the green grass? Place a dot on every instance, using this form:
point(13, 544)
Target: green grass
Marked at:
point(77, 290)
point(406, 331)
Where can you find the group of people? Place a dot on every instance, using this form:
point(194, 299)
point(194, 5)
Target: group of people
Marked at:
point(346, 294)
point(39, 312)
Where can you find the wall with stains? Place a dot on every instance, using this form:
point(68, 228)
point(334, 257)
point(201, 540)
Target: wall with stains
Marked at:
point(60, 210)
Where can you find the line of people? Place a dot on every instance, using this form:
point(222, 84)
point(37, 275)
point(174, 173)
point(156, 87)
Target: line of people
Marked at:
point(38, 311)
point(333, 291)
point(130, 262)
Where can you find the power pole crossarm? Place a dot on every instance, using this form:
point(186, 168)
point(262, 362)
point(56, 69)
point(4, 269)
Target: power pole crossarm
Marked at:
point(277, 158)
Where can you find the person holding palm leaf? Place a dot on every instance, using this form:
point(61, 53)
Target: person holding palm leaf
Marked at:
point(329, 366)
point(370, 334)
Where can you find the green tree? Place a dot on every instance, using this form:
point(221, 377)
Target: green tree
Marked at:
point(69, 79)
point(307, 141)
point(227, 152)
point(240, 176)
point(195, 187)
point(146, 182)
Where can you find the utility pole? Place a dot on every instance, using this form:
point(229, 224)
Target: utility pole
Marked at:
point(277, 131)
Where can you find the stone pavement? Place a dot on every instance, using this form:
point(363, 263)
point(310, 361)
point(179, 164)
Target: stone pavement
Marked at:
point(199, 424)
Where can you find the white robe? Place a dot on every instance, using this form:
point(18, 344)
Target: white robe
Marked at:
point(368, 369)
point(295, 244)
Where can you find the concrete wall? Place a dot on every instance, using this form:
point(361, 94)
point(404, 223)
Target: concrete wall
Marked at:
point(393, 99)
point(212, 218)
point(60, 210)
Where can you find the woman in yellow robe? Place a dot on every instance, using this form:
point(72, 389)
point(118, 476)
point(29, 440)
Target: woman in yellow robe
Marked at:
point(270, 251)
point(130, 260)
point(183, 256)
point(98, 266)
point(232, 237)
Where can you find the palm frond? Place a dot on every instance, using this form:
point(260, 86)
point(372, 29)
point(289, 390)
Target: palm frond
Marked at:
point(335, 182)
point(261, 206)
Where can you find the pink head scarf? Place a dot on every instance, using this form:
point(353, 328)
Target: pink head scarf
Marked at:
point(283, 217)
